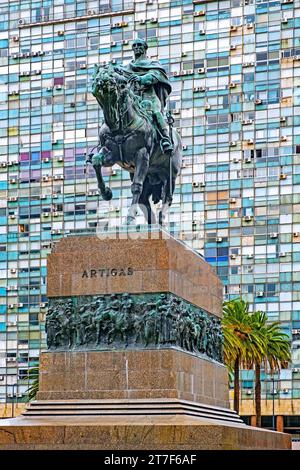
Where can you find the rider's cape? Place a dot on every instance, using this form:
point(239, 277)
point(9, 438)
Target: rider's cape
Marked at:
point(163, 87)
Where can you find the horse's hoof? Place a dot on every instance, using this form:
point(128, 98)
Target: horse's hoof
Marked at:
point(107, 194)
point(129, 220)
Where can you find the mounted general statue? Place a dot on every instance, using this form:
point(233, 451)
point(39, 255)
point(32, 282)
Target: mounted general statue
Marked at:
point(135, 134)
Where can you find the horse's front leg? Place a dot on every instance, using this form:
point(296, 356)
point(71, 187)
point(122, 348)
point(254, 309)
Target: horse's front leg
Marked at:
point(97, 162)
point(141, 169)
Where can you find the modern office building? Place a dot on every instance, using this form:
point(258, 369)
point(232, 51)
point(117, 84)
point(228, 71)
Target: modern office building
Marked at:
point(235, 72)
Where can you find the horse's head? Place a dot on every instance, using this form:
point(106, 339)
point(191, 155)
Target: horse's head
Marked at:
point(108, 82)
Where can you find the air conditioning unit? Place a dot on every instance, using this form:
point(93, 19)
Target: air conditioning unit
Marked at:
point(60, 159)
point(45, 178)
point(11, 359)
point(153, 20)
point(207, 106)
point(113, 43)
point(11, 305)
point(247, 160)
point(184, 147)
point(12, 216)
point(283, 176)
point(58, 177)
point(37, 72)
point(142, 21)
point(233, 256)
point(232, 47)
point(13, 180)
point(248, 64)
point(236, 160)
point(250, 256)
point(43, 304)
point(250, 25)
point(1, 377)
point(284, 20)
point(274, 235)
point(3, 164)
point(200, 13)
point(196, 184)
point(45, 214)
point(232, 200)
point(176, 111)
point(246, 122)
point(219, 239)
point(249, 141)
point(202, 32)
point(46, 160)
point(202, 184)
point(296, 57)
point(83, 66)
point(20, 304)
point(232, 85)
point(72, 105)
point(296, 234)
point(283, 138)
point(259, 294)
point(56, 214)
point(295, 332)
point(21, 21)
point(54, 141)
point(287, 1)
point(258, 101)
point(295, 370)
point(233, 27)
point(58, 87)
point(282, 254)
point(12, 199)
point(232, 143)
point(91, 12)
point(49, 88)
point(12, 323)
point(60, 33)
point(199, 89)
point(247, 218)
point(15, 38)
point(249, 392)
point(201, 70)
point(13, 270)
point(125, 42)
point(282, 119)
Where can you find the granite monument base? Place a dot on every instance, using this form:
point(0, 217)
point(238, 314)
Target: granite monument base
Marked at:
point(120, 400)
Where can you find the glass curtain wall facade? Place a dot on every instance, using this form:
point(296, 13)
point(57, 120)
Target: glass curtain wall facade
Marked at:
point(235, 72)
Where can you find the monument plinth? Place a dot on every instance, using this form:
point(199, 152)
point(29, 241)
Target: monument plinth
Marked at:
point(134, 356)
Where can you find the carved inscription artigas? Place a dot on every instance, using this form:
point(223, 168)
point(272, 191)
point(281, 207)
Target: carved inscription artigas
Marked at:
point(105, 272)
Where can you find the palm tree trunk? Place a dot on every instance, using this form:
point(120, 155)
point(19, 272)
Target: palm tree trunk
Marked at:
point(236, 397)
point(257, 395)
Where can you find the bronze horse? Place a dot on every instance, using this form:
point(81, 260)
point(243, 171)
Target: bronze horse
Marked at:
point(128, 138)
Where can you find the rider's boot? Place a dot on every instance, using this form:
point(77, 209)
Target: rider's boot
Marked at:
point(165, 141)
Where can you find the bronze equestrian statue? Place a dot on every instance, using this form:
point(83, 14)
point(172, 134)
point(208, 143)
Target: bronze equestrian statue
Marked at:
point(135, 134)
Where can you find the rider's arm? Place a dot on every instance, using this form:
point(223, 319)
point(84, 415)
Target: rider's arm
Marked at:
point(148, 79)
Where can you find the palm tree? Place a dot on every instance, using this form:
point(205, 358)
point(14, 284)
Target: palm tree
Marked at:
point(273, 351)
point(33, 373)
point(240, 340)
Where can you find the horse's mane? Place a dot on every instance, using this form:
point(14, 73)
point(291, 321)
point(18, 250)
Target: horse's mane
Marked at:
point(136, 101)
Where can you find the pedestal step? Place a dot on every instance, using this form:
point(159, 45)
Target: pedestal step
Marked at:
point(129, 407)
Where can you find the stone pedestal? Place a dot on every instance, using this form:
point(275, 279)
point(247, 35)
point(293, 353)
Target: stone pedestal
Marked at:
point(169, 392)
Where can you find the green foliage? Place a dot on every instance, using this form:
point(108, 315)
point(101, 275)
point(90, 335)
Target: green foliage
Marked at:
point(33, 374)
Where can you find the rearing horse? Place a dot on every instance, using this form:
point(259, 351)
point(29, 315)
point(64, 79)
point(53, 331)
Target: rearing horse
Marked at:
point(128, 138)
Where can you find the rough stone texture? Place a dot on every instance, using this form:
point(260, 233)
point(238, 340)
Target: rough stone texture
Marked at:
point(135, 432)
point(160, 265)
point(164, 373)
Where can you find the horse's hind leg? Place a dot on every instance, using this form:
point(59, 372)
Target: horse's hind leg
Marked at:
point(145, 205)
point(167, 201)
point(141, 169)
